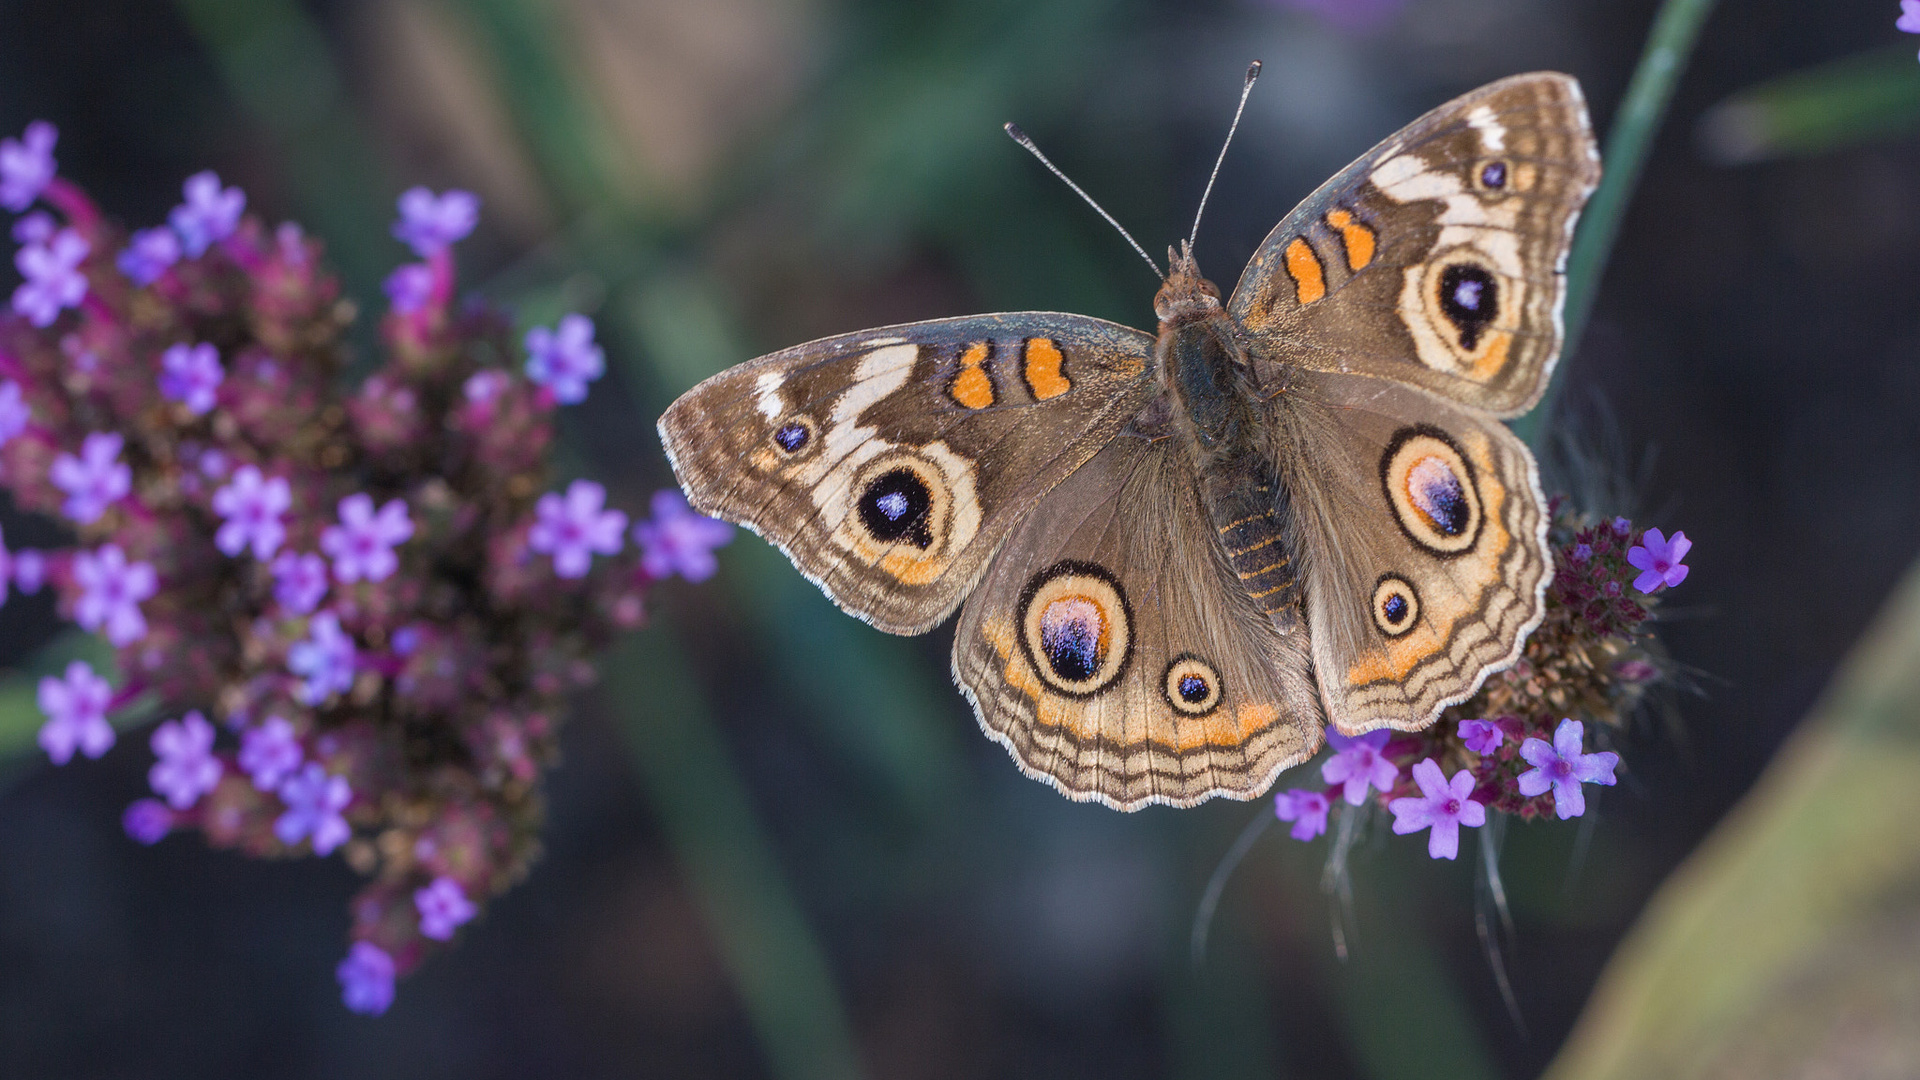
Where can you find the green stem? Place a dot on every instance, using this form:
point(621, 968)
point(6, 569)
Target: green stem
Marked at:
point(1675, 30)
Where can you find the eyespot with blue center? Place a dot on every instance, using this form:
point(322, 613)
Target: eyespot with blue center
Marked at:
point(1470, 300)
point(1191, 686)
point(793, 436)
point(1431, 489)
point(1396, 605)
point(1076, 628)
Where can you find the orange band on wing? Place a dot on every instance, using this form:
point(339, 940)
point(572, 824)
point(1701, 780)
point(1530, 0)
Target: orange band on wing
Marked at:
point(1045, 368)
point(973, 388)
point(1309, 280)
point(1359, 239)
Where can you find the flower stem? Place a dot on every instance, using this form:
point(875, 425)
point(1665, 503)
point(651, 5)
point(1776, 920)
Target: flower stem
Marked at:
point(1675, 30)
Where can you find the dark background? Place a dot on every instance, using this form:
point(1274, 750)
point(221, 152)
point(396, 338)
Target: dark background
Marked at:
point(718, 178)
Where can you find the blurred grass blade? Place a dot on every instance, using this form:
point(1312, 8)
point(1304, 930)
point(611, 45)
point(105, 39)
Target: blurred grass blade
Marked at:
point(703, 807)
point(1675, 30)
point(1789, 943)
point(1855, 100)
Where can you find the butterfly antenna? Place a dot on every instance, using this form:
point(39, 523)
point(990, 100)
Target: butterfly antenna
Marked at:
point(1253, 72)
point(1020, 137)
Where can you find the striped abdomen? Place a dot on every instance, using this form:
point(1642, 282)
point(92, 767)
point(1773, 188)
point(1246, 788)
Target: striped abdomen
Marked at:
point(1248, 512)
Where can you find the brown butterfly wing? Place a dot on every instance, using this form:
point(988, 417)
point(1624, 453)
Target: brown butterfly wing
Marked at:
point(890, 464)
point(1112, 650)
point(1438, 259)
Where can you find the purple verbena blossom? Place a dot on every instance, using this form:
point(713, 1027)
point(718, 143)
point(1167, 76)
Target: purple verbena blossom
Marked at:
point(677, 540)
point(566, 360)
point(191, 374)
point(443, 907)
point(1909, 20)
point(299, 581)
point(76, 708)
point(1357, 764)
point(209, 215)
point(1563, 768)
point(1481, 736)
point(314, 801)
point(429, 224)
point(1581, 553)
point(483, 386)
point(26, 165)
point(111, 589)
point(1307, 809)
point(14, 413)
point(148, 254)
point(252, 505)
point(1442, 806)
point(366, 979)
point(147, 821)
point(325, 660)
point(34, 228)
point(361, 546)
point(410, 287)
point(95, 480)
point(53, 277)
point(1622, 527)
point(1658, 560)
point(574, 528)
point(186, 768)
point(29, 570)
point(270, 752)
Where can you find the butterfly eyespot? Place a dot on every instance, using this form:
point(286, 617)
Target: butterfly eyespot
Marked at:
point(1076, 628)
point(1192, 686)
point(793, 437)
point(1470, 299)
point(1396, 606)
point(895, 506)
point(1432, 490)
point(1493, 175)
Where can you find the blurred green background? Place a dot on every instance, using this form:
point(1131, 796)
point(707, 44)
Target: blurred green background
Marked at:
point(778, 845)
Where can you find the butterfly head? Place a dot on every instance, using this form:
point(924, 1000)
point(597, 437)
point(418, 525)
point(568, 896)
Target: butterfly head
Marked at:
point(1185, 294)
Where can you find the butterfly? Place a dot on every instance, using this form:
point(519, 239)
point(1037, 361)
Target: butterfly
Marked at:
point(1183, 554)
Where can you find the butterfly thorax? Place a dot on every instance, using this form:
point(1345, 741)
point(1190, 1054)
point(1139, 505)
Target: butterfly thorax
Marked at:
point(1204, 368)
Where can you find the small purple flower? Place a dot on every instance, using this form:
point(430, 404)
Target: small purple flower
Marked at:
point(677, 540)
point(566, 360)
point(361, 546)
point(1442, 806)
point(325, 660)
point(209, 215)
point(314, 801)
point(191, 374)
point(1909, 21)
point(111, 589)
point(483, 386)
point(76, 708)
point(35, 228)
point(443, 906)
point(53, 277)
point(95, 480)
point(26, 165)
point(1658, 560)
point(1622, 527)
point(270, 753)
point(574, 528)
point(366, 979)
point(1307, 809)
point(299, 581)
point(29, 570)
point(14, 413)
point(252, 505)
point(1581, 553)
point(429, 224)
point(147, 821)
point(186, 768)
point(148, 254)
point(409, 287)
point(1356, 763)
point(1564, 768)
point(1481, 736)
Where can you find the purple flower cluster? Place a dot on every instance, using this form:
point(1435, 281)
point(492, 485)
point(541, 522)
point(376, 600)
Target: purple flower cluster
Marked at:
point(1908, 22)
point(365, 606)
point(1511, 748)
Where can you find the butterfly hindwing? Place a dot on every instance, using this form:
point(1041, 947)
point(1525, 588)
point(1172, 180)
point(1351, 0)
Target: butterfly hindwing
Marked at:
point(1113, 651)
point(1424, 534)
point(889, 464)
point(1438, 258)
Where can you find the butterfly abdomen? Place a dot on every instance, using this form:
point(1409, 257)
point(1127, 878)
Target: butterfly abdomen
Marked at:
point(1247, 508)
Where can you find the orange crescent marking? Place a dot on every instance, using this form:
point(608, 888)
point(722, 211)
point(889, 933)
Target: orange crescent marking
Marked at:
point(1359, 239)
point(1044, 375)
point(1309, 281)
point(973, 388)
